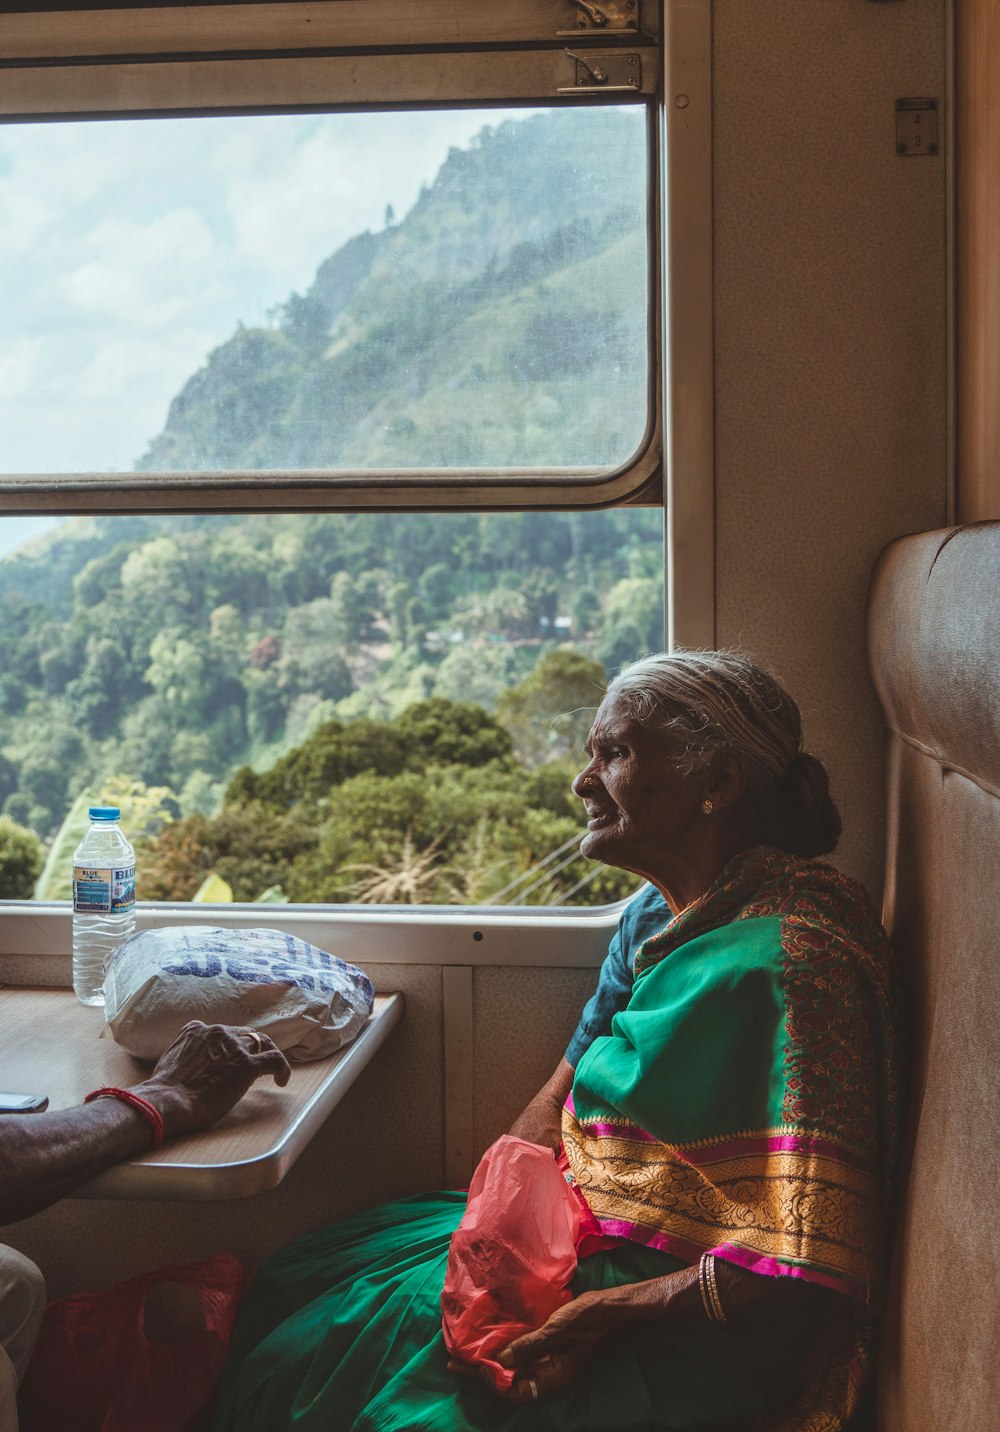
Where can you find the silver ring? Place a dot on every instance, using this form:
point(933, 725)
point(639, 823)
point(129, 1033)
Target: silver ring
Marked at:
point(534, 1388)
point(255, 1036)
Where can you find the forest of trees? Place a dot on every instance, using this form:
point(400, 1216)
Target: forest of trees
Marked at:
point(164, 655)
point(331, 707)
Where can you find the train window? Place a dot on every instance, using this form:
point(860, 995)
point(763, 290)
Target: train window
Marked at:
point(460, 290)
point(346, 378)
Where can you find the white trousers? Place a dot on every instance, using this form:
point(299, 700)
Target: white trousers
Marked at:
point(22, 1303)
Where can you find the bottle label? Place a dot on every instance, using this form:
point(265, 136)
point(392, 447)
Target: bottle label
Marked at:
point(103, 891)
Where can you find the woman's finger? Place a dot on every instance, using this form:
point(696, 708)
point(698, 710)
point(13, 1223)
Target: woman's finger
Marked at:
point(548, 1376)
point(523, 1350)
point(552, 1336)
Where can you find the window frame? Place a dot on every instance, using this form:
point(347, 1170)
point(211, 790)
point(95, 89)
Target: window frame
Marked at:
point(442, 935)
point(148, 63)
point(34, 937)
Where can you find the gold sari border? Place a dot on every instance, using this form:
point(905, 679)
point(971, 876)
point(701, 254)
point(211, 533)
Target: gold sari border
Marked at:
point(778, 1204)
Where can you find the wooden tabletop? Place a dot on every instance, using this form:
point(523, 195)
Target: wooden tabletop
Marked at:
point(51, 1044)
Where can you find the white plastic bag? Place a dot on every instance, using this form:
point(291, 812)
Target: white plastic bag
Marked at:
point(309, 1002)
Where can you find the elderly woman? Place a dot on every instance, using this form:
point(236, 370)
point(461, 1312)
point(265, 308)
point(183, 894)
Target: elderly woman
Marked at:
point(729, 1125)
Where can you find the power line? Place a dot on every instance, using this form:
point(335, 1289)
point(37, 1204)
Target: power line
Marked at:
point(527, 874)
point(590, 875)
point(548, 875)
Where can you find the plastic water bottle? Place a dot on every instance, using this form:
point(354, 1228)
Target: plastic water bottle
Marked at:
point(103, 901)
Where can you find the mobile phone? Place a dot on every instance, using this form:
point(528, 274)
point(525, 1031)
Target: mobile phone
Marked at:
point(23, 1103)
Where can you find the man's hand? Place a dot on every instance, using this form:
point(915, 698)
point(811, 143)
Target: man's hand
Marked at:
point(208, 1069)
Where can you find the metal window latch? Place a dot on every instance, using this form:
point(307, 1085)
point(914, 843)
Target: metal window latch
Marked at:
point(604, 70)
point(609, 17)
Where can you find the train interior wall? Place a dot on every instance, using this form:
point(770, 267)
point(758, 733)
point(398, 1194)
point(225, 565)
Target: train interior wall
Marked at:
point(831, 437)
point(977, 236)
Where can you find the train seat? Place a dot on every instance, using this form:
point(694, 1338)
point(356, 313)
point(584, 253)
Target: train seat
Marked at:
point(934, 650)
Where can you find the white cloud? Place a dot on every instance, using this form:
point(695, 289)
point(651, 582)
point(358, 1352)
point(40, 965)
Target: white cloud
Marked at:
point(142, 367)
point(94, 408)
point(21, 369)
point(130, 249)
point(145, 275)
point(53, 171)
point(26, 217)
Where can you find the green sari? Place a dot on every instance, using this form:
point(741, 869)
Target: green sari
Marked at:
point(743, 1103)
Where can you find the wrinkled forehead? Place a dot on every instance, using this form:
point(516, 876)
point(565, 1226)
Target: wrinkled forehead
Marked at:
point(663, 729)
point(615, 720)
point(611, 717)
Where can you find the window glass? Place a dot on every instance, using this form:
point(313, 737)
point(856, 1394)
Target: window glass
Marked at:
point(446, 289)
point(382, 707)
point(317, 708)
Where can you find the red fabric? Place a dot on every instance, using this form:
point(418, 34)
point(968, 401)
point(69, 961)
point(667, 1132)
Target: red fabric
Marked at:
point(99, 1365)
point(512, 1257)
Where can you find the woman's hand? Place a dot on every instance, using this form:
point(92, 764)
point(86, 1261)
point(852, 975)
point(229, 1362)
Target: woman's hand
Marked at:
point(548, 1360)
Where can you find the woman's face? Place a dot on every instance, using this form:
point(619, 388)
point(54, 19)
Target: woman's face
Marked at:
point(639, 807)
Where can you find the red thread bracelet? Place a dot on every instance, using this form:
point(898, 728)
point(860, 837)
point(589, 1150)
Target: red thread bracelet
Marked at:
point(142, 1106)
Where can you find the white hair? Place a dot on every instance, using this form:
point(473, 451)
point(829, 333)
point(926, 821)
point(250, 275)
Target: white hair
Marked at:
point(709, 703)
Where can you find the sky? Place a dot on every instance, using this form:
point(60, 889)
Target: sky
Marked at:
point(129, 249)
point(15, 531)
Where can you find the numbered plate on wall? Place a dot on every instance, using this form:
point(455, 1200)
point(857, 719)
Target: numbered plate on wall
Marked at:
point(916, 127)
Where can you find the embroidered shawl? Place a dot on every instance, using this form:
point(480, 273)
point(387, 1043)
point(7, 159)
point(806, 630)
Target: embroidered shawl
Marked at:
point(745, 1102)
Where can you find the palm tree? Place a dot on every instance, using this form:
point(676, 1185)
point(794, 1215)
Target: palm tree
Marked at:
point(409, 878)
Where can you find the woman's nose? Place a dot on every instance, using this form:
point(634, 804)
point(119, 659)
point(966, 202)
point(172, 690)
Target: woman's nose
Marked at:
point(582, 781)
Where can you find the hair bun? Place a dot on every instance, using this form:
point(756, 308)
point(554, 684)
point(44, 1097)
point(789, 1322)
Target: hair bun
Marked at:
point(810, 819)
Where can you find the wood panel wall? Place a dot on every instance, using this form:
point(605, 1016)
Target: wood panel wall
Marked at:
point(978, 258)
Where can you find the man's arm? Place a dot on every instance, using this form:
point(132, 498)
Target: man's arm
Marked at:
point(206, 1070)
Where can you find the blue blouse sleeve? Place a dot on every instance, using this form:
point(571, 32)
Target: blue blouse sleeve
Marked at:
point(644, 915)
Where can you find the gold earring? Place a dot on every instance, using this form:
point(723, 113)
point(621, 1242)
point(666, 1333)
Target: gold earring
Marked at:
point(707, 807)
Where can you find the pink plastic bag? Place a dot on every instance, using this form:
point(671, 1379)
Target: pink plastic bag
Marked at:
point(512, 1256)
point(143, 1356)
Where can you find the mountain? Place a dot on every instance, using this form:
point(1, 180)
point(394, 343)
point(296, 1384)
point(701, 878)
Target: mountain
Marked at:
point(501, 323)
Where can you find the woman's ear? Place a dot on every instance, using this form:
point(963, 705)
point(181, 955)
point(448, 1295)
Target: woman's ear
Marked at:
point(726, 782)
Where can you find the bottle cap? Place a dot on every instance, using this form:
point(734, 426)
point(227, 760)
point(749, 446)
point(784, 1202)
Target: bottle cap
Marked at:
point(104, 812)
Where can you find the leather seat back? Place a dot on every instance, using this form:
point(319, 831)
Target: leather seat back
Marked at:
point(934, 650)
